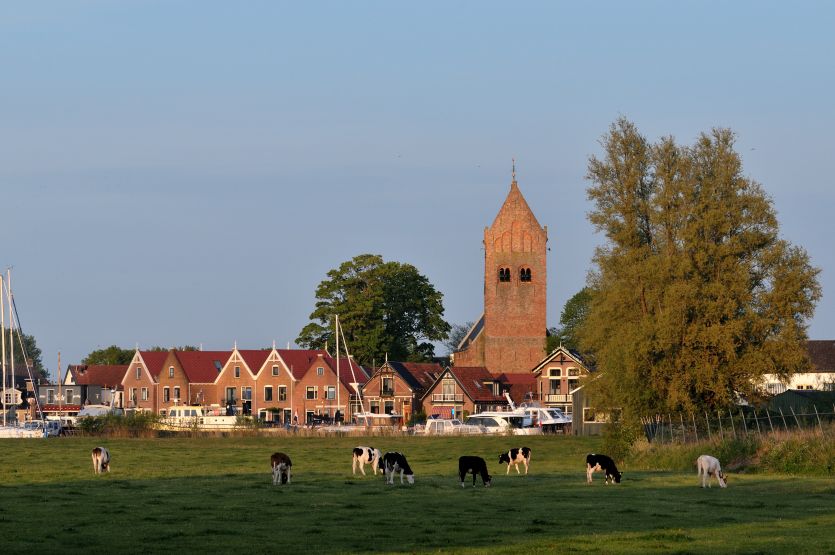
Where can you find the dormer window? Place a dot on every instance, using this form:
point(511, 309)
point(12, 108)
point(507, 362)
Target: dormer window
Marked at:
point(504, 274)
point(525, 274)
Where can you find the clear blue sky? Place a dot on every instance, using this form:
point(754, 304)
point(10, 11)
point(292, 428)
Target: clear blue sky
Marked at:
point(187, 172)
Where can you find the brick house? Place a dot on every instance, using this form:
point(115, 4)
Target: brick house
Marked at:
point(463, 390)
point(509, 337)
point(235, 381)
point(397, 387)
point(140, 381)
point(319, 393)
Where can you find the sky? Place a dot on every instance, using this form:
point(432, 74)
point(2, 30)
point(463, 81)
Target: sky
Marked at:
point(186, 172)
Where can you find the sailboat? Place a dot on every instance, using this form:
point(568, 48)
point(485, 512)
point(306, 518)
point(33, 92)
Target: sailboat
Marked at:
point(9, 428)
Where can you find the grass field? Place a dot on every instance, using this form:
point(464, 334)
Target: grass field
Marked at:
point(216, 496)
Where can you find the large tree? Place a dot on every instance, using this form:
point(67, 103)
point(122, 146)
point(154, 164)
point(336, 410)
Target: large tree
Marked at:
point(571, 319)
point(113, 355)
point(27, 355)
point(694, 296)
point(456, 334)
point(384, 308)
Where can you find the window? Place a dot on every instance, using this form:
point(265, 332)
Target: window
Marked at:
point(389, 407)
point(268, 393)
point(555, 372)
point(144, 393)
point(138, 373)
point(166, 395)
point(282, 393)
point(50, 396)
point(320, 371)
point(388, 386)
point(573, 372)
point(70, 396)
point(525, 274)
point(231, 395)
point(504, 274)
point(555, 387)
point(331, 392)
point(177, 394)
point(311, 392)
point(237, 371)
point(170, 371)
point(275, 370)
point(133, 395)
point(448, 386)
point(246, 393)
point(375, 407)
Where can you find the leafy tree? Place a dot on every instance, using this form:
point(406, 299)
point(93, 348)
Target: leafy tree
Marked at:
point(693, 296)
point(112, 355)
point(572, 317)
point(31, 357)
point(383, 307)
point(160, 349)
point(456, 334)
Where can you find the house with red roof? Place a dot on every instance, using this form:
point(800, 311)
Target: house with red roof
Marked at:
point(96, 384)
point(463, 390)
point(140, 381)
point(557, 376)
point(397, 387)
point(319, 394)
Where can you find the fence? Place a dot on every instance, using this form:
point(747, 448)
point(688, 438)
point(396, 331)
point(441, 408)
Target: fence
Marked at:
point(734, 423)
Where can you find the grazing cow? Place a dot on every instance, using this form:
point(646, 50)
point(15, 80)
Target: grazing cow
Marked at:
point(363, 456)
point(101, 460)
point(393, 462)
point(516, 457)
point(281, 466)
point(707, 466)
point(474, 465)
point(602, 463)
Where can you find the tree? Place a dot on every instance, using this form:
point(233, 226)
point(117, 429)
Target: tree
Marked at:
point(113, 355)
point(571, 319)
point(29, 355)
point(385, 308)
point(456, 335)
point(693, 296)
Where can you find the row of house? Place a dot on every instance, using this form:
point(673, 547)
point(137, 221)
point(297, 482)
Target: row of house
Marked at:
point(288, 385)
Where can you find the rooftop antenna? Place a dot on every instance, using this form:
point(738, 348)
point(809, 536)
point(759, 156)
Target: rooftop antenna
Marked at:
point(513, 171)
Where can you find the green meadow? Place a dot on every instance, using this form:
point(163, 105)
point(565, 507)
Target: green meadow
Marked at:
point(215, 495)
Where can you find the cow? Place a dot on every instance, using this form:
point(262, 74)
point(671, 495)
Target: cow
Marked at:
point(101, 460)
point(363, 456)
point(393, 462)
point(707, 466)
point(475, 465)
point(602, 463)
point(515, 457)
point(282, 468)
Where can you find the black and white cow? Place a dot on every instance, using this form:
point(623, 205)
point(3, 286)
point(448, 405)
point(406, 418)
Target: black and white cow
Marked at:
point(363, 456)
point(708, 466)
point(476, 466)
point(281, 466)
point(394, 462)
point(595, 463)
point(515, 457)
point(101, 460)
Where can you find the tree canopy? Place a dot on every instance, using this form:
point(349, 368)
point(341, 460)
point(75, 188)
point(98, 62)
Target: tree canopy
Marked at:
point(383, 307)
point(571, 318)
point(694, 296)
point(32, 354)
point(456, 334)
point(113, 355)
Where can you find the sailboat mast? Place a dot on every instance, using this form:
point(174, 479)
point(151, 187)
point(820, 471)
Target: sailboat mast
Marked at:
point(3, 340)
point(336, 332)
point(8, 291)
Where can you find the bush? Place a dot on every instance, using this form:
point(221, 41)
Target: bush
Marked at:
point(134, 424)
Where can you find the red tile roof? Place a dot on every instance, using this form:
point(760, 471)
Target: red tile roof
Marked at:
point(518, 385)
point(472, 380)
point(299, 360)
point(255, 358)
point(202, 366)
point(154, 361)
point(345, 375)
point(98, 374)
point(424, 373)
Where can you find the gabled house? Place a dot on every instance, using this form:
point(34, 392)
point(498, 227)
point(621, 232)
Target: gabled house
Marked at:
point(397, 387)
point(460, 391)
point(140, 381)
point(190, 378)
point(319, 394)
point(820, 375)
point(235, 382)
point(95, 384)
point(557, 376)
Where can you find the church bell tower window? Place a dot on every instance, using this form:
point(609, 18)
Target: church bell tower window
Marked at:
point(525, 274)
point(504, 274)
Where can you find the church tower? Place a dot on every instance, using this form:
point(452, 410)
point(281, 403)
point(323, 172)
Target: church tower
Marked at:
point(510, 336)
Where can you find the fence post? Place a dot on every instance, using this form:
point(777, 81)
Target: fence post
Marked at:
point(683, 435)
point(757, 422)
point(707, 421)
point(770, 425)
point(695, 431)
point(744, 424)
point(796, 421)
point(733, 428)
point(819, 418)
point(670, 418)
point(783, 416)
point(721, 430)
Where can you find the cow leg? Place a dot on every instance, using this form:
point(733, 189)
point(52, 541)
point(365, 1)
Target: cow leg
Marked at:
point(508, 469)
point(354, 466)
point(362, 468)
point(517, 468)
point(526, 467)
point(588, 473)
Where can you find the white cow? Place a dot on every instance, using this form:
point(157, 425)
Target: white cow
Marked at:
point(708, 466)
point(366, 455)
point(101, 460)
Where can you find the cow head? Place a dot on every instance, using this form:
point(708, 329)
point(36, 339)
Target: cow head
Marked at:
point(488, 482)
point(504, 458)
point(410, 478)
point(723, 479)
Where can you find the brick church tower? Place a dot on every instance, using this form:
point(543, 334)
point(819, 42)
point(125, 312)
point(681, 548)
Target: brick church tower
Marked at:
point(510, 336)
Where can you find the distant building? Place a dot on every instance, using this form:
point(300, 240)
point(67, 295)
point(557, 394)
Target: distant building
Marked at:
point(820, 375)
